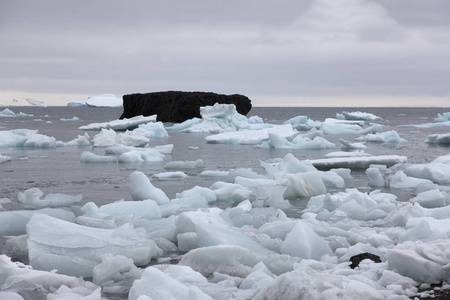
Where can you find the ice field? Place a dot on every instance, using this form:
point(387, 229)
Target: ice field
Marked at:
point(224, 206)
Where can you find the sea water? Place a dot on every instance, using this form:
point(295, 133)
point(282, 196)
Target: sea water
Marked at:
point(59, 170)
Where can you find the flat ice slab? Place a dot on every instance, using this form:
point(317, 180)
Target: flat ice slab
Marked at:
point(120, 124)
point(357, 162)
point(251, 137)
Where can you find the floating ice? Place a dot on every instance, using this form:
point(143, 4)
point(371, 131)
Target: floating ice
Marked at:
point(437, 172)
point(14, 222)
point(123, 124)
point(357, 162)
point(303, 242)
point(438, 139)
point(431, 199)
point(357, 153)
point(388, 137)
point(251, 137)
point(106, 100)
point(108, 137)
point(145, 208)
point(70, 120)
point(141, 155)
point(423, 262)
point(4, 158)
point(304, 185)
point(160, 285)
point(357, 115)
point(16, 272)
point(75, 250)
point(298, 142)
point(89, 157)
point(81, 141)
point(184, 125)
point(445, 117)
point(31, 198)
point(151, 130)
point(10, 114)
point(26, 138)
point(175, 175)
point(338, 129)
point(401, 181)
point(375, 177)
point(142, 189)
point(346, 145)
point(188, 165)
point(116, 274)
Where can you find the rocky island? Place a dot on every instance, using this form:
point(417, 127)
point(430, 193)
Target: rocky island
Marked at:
point(176, 107)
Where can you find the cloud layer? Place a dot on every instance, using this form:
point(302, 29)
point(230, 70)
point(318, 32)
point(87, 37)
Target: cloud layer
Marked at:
point(321, 48)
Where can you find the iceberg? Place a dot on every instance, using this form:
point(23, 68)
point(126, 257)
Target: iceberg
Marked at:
point(26, 138)
point(7, 113)
point(123, 124)
point(357, 162)
point(108, 138)
point(357, 115)
point(251, 137)
point(443, 139)
point(4, 158)
point(31, 198)
point(388, 137)
point(141, 155)
point(298, 142)
point(75, 250)
point(175, 175)
point(105, 100)
point(89, 157)
point(339, 129)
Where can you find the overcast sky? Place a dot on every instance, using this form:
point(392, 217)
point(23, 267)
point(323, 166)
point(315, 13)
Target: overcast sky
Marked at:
point(284, 52)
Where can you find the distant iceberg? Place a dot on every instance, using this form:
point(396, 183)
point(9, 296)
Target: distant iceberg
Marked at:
point(106, 100)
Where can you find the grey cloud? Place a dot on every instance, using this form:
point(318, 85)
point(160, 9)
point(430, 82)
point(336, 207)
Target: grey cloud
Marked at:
point(321, 47)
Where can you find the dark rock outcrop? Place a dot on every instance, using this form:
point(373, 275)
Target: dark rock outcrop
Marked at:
point(356, 259)
point(173, 106)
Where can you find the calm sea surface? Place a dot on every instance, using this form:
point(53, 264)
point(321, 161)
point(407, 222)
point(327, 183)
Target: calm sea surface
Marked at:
point(60, 170)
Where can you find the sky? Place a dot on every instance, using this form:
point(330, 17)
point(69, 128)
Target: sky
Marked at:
point(278, 53)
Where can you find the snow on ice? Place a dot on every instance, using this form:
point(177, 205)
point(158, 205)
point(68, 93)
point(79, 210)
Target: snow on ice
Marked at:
point(195, 247)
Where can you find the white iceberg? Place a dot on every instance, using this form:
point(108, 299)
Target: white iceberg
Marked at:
point(175, 175)
point(10, 114)
point(298, 142)
point(186, 165)
point(26, 138)
point(108, 138)
point(89, 157)
point(141, 155)
point(357, 115)
point(251, 137)
point(105, 100)
point(357, 162)
point(142, 189)
point(31, 198)
point(123, 124)
point(4, 158)
point(387, 137)
point(443, 139)
point(75, 250)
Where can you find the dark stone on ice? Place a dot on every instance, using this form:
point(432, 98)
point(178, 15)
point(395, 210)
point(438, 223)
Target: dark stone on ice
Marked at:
point(176, 107)
point(360, 257)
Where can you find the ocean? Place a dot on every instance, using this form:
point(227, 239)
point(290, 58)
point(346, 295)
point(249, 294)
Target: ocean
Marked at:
point(60, 170)
point(253, 249)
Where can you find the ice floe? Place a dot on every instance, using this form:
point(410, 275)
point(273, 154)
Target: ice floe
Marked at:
point(123, 124)
point(357, 115)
